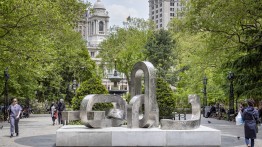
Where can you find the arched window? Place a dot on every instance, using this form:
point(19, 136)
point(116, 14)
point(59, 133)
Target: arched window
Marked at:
point(101, 26)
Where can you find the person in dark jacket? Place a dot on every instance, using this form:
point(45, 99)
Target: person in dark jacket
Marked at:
point(250, 115)
point(61, 107)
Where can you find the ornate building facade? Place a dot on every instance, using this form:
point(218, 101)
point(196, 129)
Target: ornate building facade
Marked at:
point(94, 29)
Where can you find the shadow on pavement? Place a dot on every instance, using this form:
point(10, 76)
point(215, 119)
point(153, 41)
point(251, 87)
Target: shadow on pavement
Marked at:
point(38, 141)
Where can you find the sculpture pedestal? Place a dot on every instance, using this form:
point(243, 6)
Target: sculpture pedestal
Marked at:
point(79, 135)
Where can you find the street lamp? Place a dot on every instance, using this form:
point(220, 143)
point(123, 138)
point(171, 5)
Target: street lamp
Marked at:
point(205, 97)
point(205, 90)
point(231, 77)
point(6, 75)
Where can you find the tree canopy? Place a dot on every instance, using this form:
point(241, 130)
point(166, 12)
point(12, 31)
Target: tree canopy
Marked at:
point(126, 45)
point(40, 47)
point(216, 37)
point(160, 51)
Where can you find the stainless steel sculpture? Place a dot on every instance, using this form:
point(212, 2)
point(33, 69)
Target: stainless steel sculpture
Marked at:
point(121, 111)
point(194, 122)
point(151, 111)
point(98, 119)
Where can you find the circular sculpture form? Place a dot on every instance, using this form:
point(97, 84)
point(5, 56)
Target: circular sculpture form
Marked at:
point(97, 119)
point(194, 122)
point(151, 110)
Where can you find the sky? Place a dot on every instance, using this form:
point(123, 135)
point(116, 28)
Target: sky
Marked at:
point(119, 10)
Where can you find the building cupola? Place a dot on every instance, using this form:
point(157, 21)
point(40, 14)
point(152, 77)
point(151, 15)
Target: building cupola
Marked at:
point(99, 5)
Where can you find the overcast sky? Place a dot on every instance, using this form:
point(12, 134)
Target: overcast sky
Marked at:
point(119, 10)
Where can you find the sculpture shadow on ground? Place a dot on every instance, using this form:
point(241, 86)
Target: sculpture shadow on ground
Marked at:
point(37, 141)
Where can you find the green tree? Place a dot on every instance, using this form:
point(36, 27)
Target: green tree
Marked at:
point(126, 45)
point(91, 86)
point(40, 47)
point(195, 60)
point(235, 28)
point(160, 51)
point(165, 98)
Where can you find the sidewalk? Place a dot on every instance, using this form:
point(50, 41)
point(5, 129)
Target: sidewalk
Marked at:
point(35, 131)
point(38, 131)
point(230, 132)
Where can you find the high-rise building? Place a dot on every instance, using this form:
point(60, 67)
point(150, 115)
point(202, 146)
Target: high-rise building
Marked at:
point(162, 11)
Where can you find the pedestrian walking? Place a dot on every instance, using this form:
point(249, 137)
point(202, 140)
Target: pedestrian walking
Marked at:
point(53, 111)
point(14, 111)
point(250, 117)
point(61, 108)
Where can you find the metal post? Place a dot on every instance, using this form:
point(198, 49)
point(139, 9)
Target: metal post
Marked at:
point(6, 75)
point(205, 95)
point(115, 64)
point(231, 93)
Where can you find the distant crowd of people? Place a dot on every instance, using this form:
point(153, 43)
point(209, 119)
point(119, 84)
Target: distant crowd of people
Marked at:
point(216, 110)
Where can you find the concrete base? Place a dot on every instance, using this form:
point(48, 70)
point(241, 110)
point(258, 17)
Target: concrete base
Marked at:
point(73, 135)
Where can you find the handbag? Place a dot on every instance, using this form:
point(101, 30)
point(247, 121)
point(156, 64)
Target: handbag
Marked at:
point(239, 120)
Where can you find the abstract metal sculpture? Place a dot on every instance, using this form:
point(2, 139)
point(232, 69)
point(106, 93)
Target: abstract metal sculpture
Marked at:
point(193, 123)
point(98, 119)
point(115, 117)
point(151, 111)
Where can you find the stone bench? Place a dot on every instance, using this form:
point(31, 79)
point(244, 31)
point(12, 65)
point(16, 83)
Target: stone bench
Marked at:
point(70, 115)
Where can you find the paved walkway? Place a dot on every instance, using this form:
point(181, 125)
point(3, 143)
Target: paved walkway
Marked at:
point(35, 131)
point(38, 131)
point(230, 132)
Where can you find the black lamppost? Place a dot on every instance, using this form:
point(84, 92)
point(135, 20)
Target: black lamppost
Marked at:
point(231, 77)
point(205, 95)
point(6, 75)
point(205, 90)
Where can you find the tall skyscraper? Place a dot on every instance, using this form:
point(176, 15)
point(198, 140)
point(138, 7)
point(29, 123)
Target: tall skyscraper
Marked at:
point(162, 11)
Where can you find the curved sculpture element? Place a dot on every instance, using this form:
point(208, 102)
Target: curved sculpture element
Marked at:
point(97, 119)
point(151, 110)
point(194, 122)
point(133, 111)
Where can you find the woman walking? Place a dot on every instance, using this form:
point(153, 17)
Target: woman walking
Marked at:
point(250, 116)
point(14, 111)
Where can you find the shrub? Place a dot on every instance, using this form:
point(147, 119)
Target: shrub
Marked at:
point(91, 86)
point(165, 98)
